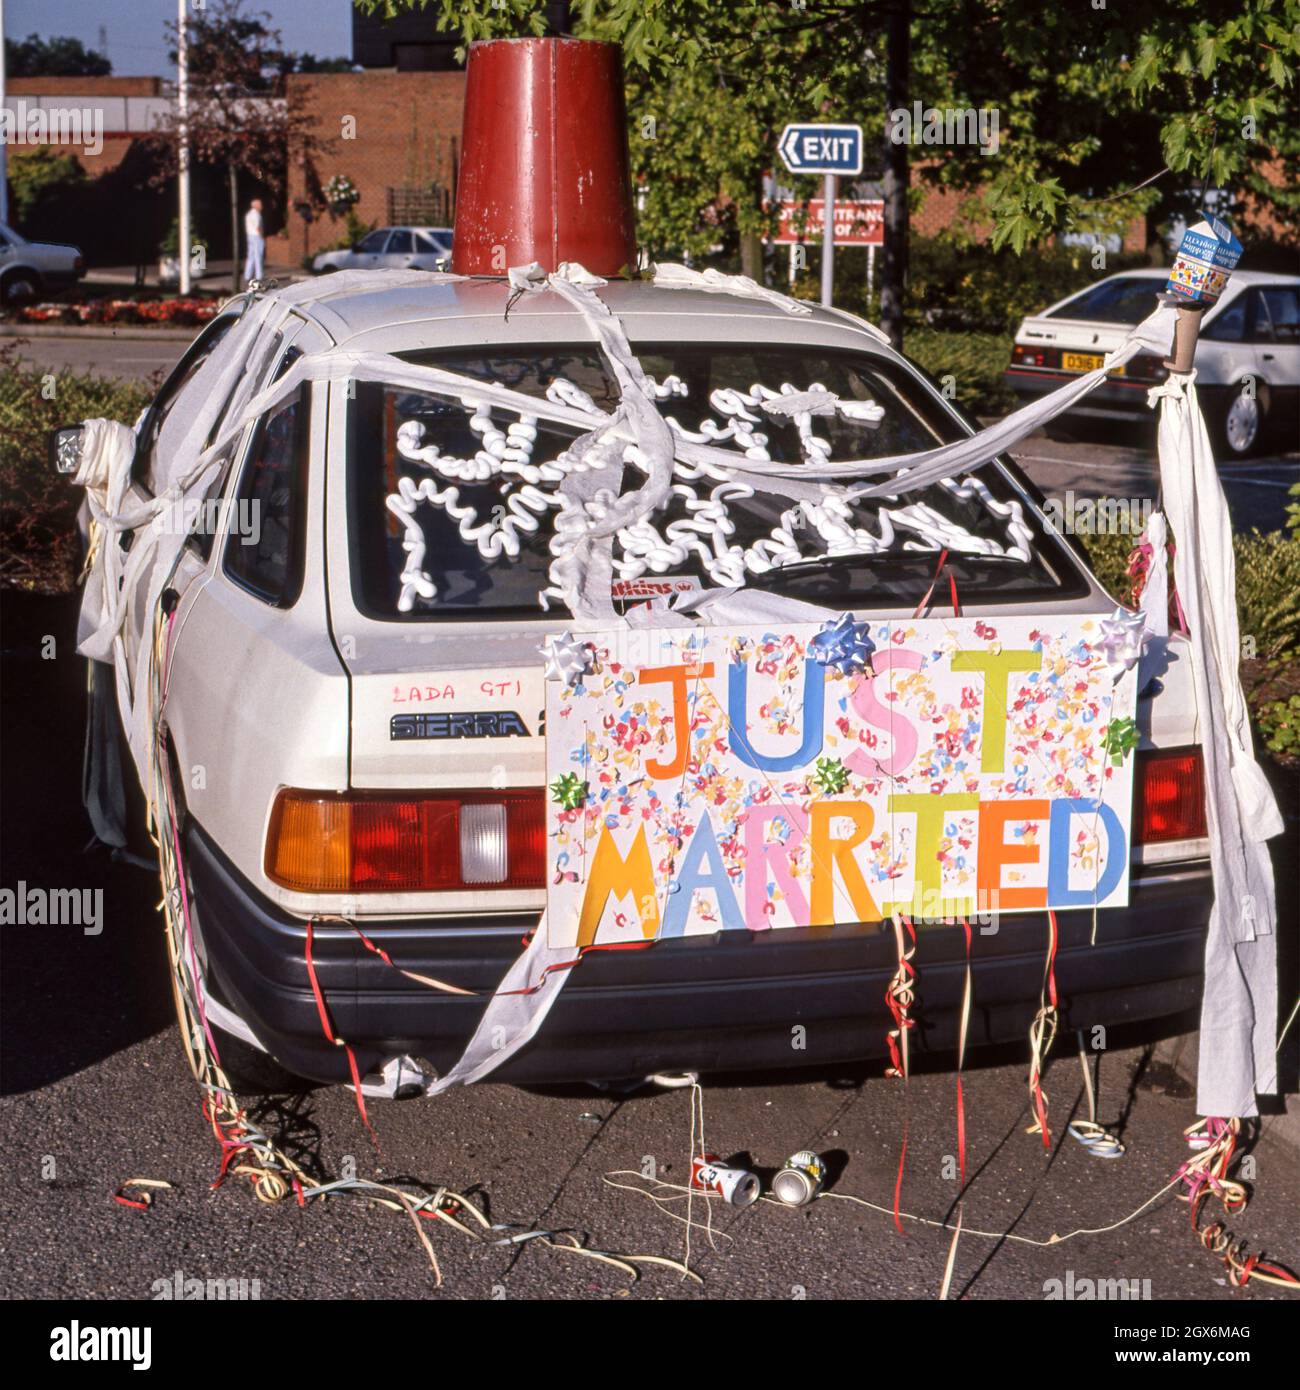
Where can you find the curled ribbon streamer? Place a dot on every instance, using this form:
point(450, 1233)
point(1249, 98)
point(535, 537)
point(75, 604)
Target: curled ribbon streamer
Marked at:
point(1042, 1034)
point(899, 998)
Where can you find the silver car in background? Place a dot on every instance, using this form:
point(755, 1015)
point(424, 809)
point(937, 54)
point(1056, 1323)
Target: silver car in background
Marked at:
point(28, 269)
point(391, 248)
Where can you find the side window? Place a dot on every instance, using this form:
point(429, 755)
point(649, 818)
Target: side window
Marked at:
point(265, 539)
point(1278, 316)
point(374, 243)
point(426, 246)
point(1230, 325)
point(401, 244)
point(143, 469)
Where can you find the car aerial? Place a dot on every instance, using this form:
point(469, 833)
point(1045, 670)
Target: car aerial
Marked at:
point(1247, 357)
point(355, 692)
point(29, 269)
point(391, 248)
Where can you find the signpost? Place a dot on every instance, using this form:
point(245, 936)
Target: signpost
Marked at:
point(829, 150)
point(858, 221)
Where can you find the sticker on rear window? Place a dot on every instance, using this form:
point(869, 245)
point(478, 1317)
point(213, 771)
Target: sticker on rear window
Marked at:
point(661, 586)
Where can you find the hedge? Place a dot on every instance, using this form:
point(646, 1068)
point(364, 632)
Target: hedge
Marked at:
point(38, 508)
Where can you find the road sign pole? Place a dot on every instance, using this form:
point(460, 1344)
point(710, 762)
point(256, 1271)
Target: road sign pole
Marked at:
point(871, 277)
point(828, 239)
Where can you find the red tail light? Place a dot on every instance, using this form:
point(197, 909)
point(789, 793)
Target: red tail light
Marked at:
point(1146, 366)
point(1022, 356)
point(323, 842)
point(1170, 796)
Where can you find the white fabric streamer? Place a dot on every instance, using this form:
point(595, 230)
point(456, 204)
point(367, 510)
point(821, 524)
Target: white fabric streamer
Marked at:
point(511, 1019)
point(1239, 1005)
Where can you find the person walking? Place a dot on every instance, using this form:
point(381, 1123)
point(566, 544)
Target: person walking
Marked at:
point(254, 264)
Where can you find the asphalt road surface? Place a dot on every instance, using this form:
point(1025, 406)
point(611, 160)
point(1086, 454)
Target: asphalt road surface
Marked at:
point(96, 1092)
point(1118, 461)
point(131, 358)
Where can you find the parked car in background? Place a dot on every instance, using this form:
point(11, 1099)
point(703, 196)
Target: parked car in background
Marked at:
point(29, 269)
point(392, 248)
point(1247, 359)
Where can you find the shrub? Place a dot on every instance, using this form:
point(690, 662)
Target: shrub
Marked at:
point(1268, 593)
point(39, 178)
point(1268, 613)
point(974, 362)
point(1279, 726)
point(1108, 555)
point(968, 286)
point(38, 508)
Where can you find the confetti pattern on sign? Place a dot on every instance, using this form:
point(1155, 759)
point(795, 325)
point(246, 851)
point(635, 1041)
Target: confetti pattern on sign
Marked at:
point(734, 782)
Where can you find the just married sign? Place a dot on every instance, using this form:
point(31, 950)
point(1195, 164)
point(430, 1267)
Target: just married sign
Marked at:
point(746, 779)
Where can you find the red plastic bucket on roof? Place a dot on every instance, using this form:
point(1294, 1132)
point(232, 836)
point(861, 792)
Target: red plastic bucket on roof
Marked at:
point(544, 168)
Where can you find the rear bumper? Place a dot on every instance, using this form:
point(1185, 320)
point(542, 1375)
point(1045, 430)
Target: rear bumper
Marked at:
point(730, 1002)
point(1115, 399)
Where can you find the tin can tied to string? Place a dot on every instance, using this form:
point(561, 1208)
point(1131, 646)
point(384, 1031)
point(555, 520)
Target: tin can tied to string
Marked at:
point(801, 1178)
point(734, 1185)
point(1207, 256)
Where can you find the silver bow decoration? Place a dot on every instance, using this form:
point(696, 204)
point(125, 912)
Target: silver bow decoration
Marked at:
point(568, 658)
point(842, 643)
point(1123, 636)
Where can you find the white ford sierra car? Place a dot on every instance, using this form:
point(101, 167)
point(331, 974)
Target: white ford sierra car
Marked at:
point(355, 691)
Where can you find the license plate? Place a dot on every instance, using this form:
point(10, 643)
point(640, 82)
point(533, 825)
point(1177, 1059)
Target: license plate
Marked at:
point(1086, 362)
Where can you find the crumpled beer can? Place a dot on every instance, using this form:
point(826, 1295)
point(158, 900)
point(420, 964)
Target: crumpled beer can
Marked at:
point(734, 1185)
point(801, 1178)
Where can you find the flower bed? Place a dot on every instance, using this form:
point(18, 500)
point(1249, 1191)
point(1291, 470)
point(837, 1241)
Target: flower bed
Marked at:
point(185, 312)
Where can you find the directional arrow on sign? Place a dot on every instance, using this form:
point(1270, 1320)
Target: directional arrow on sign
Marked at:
point(818, 148)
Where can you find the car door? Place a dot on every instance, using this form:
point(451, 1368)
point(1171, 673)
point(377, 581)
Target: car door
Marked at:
point(369, 251)
point(1277, 347)
point(164, 423)
point(1225, 354)
point(257, 693)
point(430, 253)
point(400, 251)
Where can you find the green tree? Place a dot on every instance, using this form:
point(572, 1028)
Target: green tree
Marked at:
point(241, 117)
point(40, 174)
point(1098, 103)
point(53, 57)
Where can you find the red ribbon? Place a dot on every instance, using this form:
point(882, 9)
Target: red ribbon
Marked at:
point(328, 1030)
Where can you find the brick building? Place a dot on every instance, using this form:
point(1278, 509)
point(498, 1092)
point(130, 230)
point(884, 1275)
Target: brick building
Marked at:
point(396, 135)
point(127, 107)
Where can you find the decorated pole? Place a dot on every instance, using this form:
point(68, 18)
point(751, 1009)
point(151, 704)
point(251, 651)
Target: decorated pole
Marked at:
point(1206, 258)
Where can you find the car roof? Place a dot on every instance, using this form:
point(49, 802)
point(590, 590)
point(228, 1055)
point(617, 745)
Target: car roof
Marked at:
point(398, 311)
point(414, 227)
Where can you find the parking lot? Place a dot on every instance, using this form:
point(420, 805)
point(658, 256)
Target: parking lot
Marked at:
point(97, 1092)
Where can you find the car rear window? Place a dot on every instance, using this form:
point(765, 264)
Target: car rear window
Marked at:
point(1124, 299)
point(427, 535)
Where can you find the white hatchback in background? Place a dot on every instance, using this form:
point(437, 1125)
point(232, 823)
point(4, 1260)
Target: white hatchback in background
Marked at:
point(29, 268)
point(391, 248)
point(1247, 359)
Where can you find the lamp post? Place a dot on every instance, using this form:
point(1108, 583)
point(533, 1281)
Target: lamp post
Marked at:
point(4, 148)
point(183, 161)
